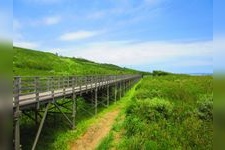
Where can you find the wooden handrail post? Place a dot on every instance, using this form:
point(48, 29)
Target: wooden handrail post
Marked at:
point(68, 82)
point(91, 82)
point(52, 88)
point(64, 89)
point(37, 92)
point(86, 81)
point(73, 85)
point(80, 82)
point(107, 95)
point(95, 79)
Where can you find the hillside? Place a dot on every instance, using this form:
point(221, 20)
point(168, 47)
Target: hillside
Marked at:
point(33, 63)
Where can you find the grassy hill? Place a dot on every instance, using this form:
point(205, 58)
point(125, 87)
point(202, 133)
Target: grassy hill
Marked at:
point(33, 63)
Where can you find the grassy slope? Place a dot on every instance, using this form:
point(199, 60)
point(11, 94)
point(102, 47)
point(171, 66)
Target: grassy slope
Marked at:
point(31, 63)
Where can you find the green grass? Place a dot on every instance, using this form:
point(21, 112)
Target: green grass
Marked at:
point(35, 63)
point(109, 141)
point(167, 112)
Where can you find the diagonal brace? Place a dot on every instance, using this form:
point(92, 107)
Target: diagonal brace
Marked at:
point(67, 118)
point(40, 127)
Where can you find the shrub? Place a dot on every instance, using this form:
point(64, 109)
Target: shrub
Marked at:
point(151, 109)
point(160, 73)
point(134, 125)
point(205, 108)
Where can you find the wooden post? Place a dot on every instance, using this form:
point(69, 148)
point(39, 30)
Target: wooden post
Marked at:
point(64, 88)
point(74, 108)
point(74, 111)
point(120, 90)
point(17, 114)
point(37, 92)
point(125, 85)
point(86, 82)
point(91, 82)
point(80, 82)
point(37, 98)
point(68, 82)
point(52, 88)
point(107, 95)
point(59, 83)
point(96, 101)
point(48, 82)
point(129, 84)
point(115, 91)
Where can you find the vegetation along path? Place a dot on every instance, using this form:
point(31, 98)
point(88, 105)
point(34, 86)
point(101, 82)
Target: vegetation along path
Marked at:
point(100, 129)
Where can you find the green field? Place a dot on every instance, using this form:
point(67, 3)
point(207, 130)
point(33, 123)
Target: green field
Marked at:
point(166, 112)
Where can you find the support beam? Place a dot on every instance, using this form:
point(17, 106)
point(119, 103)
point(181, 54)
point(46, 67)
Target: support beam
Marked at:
point(120, 90)
point(96, 101)
point(17, 114)
point(80, 82)
point(124, 87)
point(115, 92)
point(17, 130)
point(40, 127)
point(107, 95)
point(67, 118)
point(37, 92)
point(29, 116)
point(74, 111)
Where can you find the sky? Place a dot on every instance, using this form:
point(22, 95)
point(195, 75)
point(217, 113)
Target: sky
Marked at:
point(6, 17)
point(169, 35)
point(219, 36)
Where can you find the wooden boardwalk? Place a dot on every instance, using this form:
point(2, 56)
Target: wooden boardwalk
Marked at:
point(36, 93)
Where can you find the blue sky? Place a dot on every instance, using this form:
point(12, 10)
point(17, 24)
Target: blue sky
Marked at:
point(6, 17)
point(171, 35)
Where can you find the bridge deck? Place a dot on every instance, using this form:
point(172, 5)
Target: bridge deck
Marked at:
point(28, 99)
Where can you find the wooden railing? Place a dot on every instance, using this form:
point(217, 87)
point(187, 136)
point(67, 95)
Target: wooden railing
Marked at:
point(35, 89)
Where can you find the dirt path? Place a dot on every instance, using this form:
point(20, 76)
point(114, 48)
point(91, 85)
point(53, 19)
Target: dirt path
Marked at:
point(96, 132)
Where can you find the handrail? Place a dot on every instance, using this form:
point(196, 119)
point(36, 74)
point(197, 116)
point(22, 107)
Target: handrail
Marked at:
point(37, 87)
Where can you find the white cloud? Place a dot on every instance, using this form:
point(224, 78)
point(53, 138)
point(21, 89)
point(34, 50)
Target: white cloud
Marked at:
point(46, 21)
point(219, 52)
point(51, 20)
point(191, 63)
point(131, 53)
point(79, 35)
point(25, 44)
